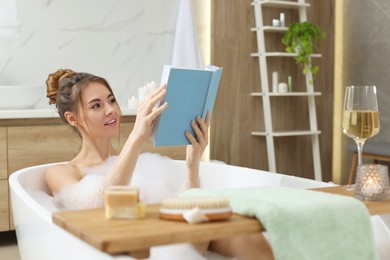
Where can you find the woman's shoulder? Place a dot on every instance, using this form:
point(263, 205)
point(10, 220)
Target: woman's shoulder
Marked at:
point(59, 175)
point(63, 168)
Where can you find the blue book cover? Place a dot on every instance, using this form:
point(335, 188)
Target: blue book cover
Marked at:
point(190, 93)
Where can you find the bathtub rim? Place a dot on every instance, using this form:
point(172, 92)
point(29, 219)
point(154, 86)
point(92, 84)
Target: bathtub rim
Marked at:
point(16, 189)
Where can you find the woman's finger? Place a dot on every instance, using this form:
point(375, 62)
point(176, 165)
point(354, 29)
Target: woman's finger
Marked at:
point(203, 126)
point(156, 98)
point(150, 96)
point(192, 139)
point(155, 93)
point(159, 110)
point(156, 112)
point(158, 90)
point(208, 118)
point(199, 134)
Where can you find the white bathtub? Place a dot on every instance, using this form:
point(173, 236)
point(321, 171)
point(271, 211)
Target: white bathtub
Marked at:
point(39, 238)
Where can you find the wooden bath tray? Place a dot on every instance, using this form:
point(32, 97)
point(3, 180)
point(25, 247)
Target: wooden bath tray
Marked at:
point(135, 237)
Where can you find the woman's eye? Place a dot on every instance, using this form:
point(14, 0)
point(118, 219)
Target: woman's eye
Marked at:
point(112, 101)
point(97, 105)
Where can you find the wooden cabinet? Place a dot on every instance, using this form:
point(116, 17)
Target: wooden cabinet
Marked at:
point(33, 145)
point(4, 195)
point(30, 142)
point(4, 206)
point(11, 219)
point(3, 153)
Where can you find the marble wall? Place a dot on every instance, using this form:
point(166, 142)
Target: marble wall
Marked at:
point(125, 41)
point(367, 52)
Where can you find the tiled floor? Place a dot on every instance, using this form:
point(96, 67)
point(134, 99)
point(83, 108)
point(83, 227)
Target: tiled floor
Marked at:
point(8, 246)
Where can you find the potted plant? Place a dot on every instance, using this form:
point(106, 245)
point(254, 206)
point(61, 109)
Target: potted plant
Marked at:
point(302, 38)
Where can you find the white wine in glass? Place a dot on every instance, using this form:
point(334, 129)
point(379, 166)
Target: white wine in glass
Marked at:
point(360, 115)
point(360, 125)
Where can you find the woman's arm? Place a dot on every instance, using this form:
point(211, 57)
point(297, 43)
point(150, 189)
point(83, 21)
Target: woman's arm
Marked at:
point(195, 151)
point(147, 112)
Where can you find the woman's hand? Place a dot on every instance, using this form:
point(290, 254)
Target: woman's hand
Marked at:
point(122, 171)
point(196, 149)
point(147, 113)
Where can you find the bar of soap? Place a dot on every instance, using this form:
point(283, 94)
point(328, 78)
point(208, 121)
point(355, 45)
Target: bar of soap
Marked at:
point(123, 202)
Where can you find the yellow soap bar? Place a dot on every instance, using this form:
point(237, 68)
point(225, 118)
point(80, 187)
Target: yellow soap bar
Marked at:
point(123, 202)
point(121, 196)
point(141, 210)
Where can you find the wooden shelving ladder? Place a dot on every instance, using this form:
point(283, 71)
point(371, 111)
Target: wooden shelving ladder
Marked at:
point(265, 94)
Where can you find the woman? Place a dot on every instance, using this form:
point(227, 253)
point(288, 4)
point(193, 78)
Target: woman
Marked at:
point(87, 103)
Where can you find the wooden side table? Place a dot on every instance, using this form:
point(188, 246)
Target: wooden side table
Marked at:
point(374, 207)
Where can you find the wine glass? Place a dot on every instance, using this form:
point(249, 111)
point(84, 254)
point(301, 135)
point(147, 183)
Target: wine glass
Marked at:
point(360, 115)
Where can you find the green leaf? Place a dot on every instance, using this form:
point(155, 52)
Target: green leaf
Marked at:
point(303, 36)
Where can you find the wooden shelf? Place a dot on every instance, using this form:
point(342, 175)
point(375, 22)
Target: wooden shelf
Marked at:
point(262, 31)
point(281, 54)
point(288, 94)
point(280, 4)
point(270, 28)
point(286, 133)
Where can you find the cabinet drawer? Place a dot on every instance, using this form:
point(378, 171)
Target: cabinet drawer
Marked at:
point(3, 153)
point(34, 145)
point(4, 209)
point(11, 218)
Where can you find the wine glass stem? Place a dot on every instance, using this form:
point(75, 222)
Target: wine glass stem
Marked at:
point(360, 144)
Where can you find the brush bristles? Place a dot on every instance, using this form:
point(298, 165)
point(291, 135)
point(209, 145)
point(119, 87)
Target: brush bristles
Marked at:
point(193, 202)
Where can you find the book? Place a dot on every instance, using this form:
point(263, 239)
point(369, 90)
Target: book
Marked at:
point(190, 93)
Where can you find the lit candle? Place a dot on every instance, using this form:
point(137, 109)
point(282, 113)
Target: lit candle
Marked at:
point(142, 93)
point(152, 86)
point(132, 103)
point(371, 187)
point(372, 182)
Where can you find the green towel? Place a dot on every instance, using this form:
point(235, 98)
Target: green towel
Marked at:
point(304, 224)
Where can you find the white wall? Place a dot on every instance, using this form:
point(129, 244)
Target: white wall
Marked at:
point(125, 41)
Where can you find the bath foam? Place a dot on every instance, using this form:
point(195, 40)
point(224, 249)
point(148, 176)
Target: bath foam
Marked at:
point(155, 176)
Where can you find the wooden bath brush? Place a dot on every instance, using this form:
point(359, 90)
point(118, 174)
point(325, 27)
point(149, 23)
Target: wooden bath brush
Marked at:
point(214, 208)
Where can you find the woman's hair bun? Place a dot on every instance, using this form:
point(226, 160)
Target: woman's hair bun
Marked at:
point(53, 82)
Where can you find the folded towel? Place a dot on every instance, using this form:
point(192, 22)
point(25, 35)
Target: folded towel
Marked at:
point(304, 224)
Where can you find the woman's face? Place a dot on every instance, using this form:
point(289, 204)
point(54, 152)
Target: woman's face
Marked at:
point(100, 112)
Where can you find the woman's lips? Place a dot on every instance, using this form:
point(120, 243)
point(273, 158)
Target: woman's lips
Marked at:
point(111, 122)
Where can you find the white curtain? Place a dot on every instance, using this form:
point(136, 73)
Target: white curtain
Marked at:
point(186, 49)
